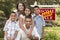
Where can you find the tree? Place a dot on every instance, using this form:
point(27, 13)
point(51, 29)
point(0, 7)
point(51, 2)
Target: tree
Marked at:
point(6, 6)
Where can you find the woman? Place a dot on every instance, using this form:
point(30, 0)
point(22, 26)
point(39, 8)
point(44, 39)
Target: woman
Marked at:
point(20, 11)
point(27, 13)
point(20, 17)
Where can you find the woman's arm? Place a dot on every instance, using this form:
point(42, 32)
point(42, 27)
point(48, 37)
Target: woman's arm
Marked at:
point(21, 24)
point(29, 34)
point(32, 26)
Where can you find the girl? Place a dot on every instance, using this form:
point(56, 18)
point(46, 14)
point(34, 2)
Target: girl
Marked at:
point(22, 18)
point(20, 9)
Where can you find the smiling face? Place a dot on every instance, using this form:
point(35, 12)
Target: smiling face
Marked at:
point(13, 16)
point(28, 22)
point(27, 11)
point(20, 7)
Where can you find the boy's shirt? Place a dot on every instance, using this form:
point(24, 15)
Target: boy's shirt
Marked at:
point(39, 23)
point(34, 33)
point(11, 28)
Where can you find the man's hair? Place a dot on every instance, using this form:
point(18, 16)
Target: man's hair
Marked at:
point(36, 6)
point(28, 17)
point(13, 12)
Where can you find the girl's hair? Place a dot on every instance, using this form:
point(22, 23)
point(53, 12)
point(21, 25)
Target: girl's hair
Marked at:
point(21, 3)
point(28, 7)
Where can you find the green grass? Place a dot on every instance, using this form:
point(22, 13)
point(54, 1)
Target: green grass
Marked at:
point(52, 33)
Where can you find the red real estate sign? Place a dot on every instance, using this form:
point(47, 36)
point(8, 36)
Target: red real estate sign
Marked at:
point(48, 13)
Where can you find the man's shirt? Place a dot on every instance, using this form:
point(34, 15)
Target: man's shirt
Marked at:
point(11, 28)
point(34, 33)
point(39, 23)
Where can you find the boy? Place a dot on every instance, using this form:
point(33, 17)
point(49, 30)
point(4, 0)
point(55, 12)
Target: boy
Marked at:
point(11, 28)
point(39, 21)
point(34, 35)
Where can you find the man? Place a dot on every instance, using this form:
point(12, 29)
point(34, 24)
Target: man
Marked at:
point(34, 35)
point(39, 21)
point(11, 28)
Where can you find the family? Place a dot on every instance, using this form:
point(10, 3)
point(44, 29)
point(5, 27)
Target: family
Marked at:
point(24, 25)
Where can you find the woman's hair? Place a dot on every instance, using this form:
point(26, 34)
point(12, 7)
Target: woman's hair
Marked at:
point(28, 7)
point(21, 3)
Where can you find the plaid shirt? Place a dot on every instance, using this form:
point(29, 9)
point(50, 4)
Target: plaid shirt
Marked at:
point(11, 28)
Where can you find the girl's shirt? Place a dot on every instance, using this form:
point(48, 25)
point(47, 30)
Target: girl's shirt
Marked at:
point(23, 18)
point(11, 28)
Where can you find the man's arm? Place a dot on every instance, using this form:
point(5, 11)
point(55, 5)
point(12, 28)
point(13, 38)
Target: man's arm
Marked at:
point(5, 30)
point(43, 24)
point(6, 36)
point(15, 35)
point(42, 32)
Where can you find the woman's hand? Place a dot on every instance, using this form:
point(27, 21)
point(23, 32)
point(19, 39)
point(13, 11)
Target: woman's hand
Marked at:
point(29, 35)
point(13, 39)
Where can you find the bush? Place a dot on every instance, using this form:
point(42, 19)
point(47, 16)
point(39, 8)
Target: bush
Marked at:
point(1, 34)
point(1, 39)
point(50, 36)
point(1, 25)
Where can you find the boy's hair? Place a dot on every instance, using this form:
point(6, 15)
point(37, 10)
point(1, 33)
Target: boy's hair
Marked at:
point(36, 6)
point(28, 17)
point(13, 13)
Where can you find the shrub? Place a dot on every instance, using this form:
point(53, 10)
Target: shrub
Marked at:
point(1, 39)
point(50, 36)
point(1, 34)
